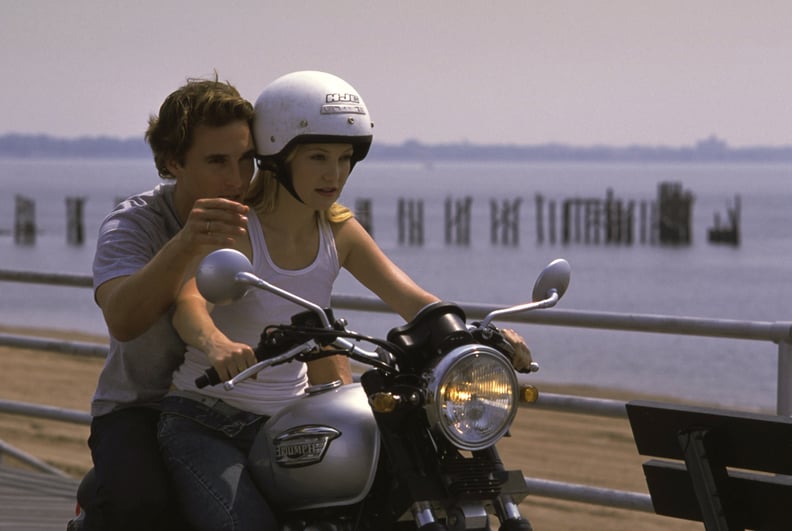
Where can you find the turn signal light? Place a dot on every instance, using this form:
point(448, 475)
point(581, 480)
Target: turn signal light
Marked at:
point(528, 394)
point(383, 402)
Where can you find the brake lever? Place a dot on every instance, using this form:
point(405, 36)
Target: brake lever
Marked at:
point(254, 369)
point(492, 336)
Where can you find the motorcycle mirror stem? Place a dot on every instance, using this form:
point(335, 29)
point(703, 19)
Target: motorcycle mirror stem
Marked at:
point(225, 275)
point(252, 280)
point(549, 287)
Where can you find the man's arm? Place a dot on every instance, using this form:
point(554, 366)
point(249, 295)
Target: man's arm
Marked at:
point(132, 303)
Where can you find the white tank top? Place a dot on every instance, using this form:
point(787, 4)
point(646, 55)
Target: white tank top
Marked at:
point(244, 320)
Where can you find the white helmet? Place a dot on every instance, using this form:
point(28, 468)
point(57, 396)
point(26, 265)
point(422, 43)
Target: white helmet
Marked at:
point(310, 107)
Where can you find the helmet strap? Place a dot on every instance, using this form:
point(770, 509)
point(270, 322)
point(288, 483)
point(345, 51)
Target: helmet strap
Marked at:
point(284, 177)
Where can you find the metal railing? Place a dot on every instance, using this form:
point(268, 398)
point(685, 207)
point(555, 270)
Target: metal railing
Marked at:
point(779, 332)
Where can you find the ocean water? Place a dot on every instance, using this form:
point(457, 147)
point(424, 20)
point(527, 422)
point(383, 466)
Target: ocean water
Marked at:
point(752, 281)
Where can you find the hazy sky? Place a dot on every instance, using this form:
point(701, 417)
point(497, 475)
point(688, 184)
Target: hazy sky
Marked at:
point(582, 72)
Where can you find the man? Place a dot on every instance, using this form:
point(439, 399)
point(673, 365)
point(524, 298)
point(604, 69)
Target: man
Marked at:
point(203, 148)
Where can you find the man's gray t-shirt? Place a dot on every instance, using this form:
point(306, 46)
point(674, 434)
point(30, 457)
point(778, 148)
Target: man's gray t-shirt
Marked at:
point(137, 372)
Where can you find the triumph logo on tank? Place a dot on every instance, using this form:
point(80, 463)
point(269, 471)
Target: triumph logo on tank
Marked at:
point(304, 445)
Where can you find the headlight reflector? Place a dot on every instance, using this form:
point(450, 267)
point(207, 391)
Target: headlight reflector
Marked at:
point(473, 396)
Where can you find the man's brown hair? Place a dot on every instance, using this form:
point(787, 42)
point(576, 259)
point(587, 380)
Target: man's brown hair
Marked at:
point(207, 102)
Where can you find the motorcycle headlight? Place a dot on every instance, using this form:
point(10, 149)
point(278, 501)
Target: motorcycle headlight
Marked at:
point(472, 396)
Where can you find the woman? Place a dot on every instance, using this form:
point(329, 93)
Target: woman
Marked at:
point(310, 129)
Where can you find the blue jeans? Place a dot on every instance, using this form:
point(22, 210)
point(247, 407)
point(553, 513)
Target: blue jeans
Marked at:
point(205, 444)
point(133, 490)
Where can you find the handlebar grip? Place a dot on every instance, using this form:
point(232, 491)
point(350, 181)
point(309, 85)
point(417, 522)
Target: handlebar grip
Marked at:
point(533, 367)
point(209, 377)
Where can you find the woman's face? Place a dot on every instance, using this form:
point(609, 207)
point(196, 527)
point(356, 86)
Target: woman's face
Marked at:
point(319, 172)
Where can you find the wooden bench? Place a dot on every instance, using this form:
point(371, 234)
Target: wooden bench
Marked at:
point(732, 470)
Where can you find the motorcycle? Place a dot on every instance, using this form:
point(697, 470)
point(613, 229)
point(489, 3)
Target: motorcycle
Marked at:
point(412, 445)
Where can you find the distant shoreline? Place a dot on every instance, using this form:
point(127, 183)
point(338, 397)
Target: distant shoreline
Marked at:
point(709, 150)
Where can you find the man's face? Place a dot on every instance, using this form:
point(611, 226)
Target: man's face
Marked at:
point(220, 163)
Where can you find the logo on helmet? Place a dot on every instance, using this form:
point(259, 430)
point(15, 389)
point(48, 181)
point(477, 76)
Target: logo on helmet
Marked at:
point(343, 107)
point(342, 98)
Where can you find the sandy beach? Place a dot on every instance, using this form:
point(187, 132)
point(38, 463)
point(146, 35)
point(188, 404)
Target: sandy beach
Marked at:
point(550, 445)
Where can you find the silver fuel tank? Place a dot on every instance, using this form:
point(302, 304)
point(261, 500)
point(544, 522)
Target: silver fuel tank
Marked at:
point(319, 451)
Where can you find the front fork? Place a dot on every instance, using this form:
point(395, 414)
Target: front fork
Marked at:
point(509, 515)
point(471, 516)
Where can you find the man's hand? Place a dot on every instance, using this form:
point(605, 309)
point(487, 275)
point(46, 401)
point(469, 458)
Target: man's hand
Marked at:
point(214, 223)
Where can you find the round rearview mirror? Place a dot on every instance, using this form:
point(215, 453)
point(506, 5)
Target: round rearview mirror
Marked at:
point(555, 276)
point(216, 276)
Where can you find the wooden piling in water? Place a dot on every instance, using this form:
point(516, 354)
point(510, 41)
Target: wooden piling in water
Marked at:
point(590, 220)
point(616, 226)
point(728, 233)
point(457, 221)
point(628, 221)
point(566, 216)
point(364, 214)
point(642, 216)
point(24, 221)
point(410, 220)
point(539, 204)
point(504, 222)
point(75, 229)
point(675, 207)
point(551, 224)
point(587, 220)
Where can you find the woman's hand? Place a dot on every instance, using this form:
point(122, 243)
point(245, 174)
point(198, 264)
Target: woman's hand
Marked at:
point(228, 357)
point(522, 354)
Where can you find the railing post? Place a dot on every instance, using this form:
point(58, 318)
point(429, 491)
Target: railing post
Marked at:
point(784, 400)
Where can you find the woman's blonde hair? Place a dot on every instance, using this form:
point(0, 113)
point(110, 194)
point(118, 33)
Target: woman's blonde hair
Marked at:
point(265, 189)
